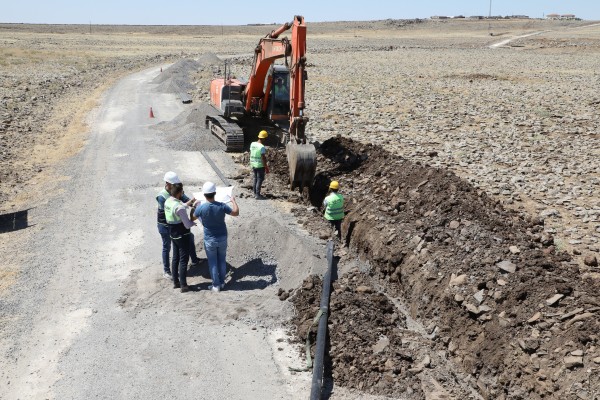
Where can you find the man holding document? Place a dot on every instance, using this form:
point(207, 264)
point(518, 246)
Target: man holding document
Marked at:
point(212, 215)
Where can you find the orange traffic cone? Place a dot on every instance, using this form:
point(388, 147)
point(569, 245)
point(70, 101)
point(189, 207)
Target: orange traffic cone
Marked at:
point(151, 113)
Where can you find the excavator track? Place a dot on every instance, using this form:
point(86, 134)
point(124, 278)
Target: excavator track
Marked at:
point(229, 133)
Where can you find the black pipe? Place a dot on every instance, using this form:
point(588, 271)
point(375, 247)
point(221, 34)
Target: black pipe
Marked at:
point(317, 381)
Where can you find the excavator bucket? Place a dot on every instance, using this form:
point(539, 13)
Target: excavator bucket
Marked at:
point(302, 160)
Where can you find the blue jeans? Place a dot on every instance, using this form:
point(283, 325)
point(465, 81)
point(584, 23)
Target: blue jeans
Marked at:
point(216, 252)
point(166, 248)
point(259, 177)
point(181, 254)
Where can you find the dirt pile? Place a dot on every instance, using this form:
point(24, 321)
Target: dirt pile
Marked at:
point(175, 79)
point(503, 305)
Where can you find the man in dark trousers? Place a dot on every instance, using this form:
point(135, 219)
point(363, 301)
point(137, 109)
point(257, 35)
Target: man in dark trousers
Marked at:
point(258, 162)
point(171, 179)
point(179, 229)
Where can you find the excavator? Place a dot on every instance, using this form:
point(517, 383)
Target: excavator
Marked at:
point(274, 92)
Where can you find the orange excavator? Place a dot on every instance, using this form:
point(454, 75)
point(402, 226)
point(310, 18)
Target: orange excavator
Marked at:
point(274, 92)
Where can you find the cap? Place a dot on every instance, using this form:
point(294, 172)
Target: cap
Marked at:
point(263, 135)
point(209, 187)
point(171, 177)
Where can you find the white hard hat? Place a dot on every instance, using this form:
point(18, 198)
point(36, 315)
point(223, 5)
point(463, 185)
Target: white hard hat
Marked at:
point(209, 187)
point(171, 177)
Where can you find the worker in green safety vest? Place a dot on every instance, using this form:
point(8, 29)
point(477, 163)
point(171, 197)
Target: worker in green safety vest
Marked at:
point(258, 162)
point(334, 208)
point(179, 227)
point(171, 179)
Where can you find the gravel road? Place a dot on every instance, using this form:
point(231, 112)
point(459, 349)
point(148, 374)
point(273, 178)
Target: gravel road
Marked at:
point(94, 318)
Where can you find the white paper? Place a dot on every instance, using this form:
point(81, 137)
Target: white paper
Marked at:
point(223, 195)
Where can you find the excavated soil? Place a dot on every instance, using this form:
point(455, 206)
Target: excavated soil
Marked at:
point(500, 303)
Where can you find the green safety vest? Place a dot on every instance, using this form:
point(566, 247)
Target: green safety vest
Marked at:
point(170, 206)
point(334, 210)
point(255, 155)
point(161, 211)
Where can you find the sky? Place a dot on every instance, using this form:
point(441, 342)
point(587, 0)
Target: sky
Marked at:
point(240, 12)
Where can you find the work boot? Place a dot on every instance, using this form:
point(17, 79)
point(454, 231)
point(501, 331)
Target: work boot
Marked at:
point(176, 285)
point(185, 288)
point(260, 197)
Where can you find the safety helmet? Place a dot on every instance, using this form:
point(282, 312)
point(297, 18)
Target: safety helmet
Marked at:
point(263, 135)
point(335, 185)
point(172, 178)
point(208, 188)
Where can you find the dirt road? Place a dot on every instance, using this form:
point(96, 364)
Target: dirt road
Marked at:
point(94, 318)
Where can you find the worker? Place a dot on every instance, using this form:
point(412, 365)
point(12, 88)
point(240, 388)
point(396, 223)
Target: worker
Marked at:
point(212, 215)
point(258, 162)
point(179, 229)
point(334, 208)
point(281, 92)
point(171, 179)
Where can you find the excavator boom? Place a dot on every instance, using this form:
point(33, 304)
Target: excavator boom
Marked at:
point(256, 94)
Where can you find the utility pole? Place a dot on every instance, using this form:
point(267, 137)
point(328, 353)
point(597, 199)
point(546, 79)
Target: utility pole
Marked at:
point(490, 20)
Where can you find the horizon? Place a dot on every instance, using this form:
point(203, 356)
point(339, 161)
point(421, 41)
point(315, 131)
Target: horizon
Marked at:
point(267, 12)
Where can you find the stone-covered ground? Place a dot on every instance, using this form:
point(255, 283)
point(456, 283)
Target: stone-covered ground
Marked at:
point(497, 299)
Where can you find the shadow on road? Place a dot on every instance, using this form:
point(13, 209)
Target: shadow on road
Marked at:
point(253, 275)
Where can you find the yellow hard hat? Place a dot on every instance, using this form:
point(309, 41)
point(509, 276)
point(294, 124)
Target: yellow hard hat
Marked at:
point(263, 135)
point(335, 185)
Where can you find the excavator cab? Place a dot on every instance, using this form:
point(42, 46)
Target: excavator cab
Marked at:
point(278, 107)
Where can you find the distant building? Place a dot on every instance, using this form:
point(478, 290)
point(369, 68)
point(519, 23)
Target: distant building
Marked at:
point(440, 17)
point(553, 16)
point(567, 16)
point(459, 17)
point(476, 17)
point(518, 16)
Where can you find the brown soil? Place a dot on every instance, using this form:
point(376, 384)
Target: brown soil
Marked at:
point(431, 239)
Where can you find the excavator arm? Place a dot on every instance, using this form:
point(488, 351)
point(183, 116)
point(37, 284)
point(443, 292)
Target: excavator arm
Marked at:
point(301, 156)
point(269, 49)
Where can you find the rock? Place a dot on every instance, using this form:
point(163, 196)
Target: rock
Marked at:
point(590, 261)
point(577, 353)
point(529, 345)
point(364, 289)
point(596, 360)
point(454, 224)
point(571, 313)
point(549, 212)
point(457, 280)
point(458, 298)
point(580, 317)
point(554, 299)
point(535, 317)
point(573, 362)
point(479, 296)
point(284, 296)
point(381, 345)
point(507, 266)
point(389, 365)
point(472, 309)
point(514, 249)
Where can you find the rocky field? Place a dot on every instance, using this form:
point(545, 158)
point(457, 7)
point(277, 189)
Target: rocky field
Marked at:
point(470, 173)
